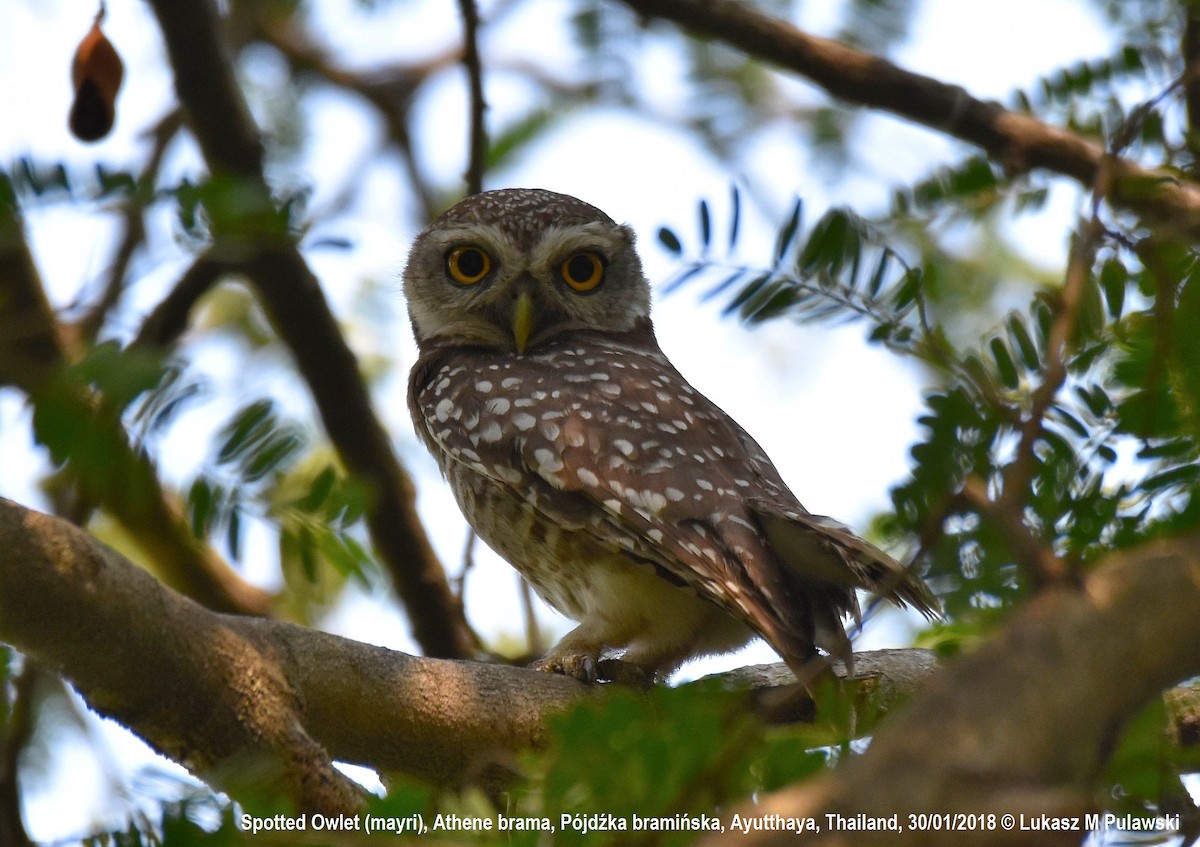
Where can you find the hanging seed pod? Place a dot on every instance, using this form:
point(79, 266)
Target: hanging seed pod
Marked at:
point(96, 73)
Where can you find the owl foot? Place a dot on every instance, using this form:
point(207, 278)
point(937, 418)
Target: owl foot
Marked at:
point(580, 666)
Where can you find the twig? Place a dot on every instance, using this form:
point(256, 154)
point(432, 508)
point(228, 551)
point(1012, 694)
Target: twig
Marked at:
point(1019, 472)
point(132, 211)
point(169, 318)
point(470, 16)
point(1029, 551)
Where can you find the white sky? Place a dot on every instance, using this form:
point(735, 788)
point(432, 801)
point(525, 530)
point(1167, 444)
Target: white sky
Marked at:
point(836, 415)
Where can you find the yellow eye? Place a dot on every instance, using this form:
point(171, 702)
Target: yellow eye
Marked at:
point(584, 271)
point(468, 265)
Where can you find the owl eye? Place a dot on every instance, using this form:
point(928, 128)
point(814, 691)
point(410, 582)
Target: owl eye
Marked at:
point(583, 271)
point(468, 265)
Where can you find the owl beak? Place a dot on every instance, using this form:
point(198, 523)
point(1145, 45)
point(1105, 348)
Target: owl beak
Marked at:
point(522, 320)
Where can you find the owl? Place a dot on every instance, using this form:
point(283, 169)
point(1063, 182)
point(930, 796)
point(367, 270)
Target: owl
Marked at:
point(629, 501)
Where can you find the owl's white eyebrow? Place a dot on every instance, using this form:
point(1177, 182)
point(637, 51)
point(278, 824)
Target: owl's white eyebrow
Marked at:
point(488, 234)
point(559, 240)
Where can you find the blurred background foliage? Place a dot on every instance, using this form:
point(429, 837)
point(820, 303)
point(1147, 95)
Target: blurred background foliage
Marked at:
point(1061, 409)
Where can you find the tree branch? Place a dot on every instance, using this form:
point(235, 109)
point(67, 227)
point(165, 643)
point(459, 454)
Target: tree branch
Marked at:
point(230, 703)
point(474, 67)
point(207, 689)
point(1023, 724)
point(1190, 50)
point(293, 298)
point(1019, 142)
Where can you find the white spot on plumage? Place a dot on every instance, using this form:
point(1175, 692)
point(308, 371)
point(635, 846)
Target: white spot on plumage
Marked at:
point(551, 430)
point(548, 461)
point(674, 494)
point(511, 475)
point(524, 421)
point(510, 381)
point(667, 428)
point(740, 521)
point(443, 409)
point(649, 407)
point(705, 484)
point(587, 477)
point(483, 386)
point(624, 446)
point(491, 432)
point(498, 405)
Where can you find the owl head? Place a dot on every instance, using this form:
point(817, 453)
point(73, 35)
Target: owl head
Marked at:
point(518, 268)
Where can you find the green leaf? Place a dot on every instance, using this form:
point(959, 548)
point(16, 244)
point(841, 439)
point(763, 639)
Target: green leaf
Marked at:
point(787, 234)
point(518, 135)
point(1019, 334)
point(1187, 349)
point(250, 425)
point(1004, 364)
point(1114, 278)
point(1182, 475)
point(233, 532)
point(735, 202)
point(670, 241)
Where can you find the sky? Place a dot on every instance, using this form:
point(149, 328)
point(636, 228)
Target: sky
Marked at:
point(835, 414)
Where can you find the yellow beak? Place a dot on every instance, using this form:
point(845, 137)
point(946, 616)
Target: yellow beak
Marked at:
point(522, 324)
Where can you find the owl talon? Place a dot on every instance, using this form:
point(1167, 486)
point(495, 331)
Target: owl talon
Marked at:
point(581, 667)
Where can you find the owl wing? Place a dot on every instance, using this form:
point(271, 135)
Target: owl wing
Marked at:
point(675, 481)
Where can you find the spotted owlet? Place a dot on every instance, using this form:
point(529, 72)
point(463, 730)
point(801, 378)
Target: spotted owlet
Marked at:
point(628, 500)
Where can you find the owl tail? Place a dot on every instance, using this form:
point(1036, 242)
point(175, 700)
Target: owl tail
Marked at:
point(819, 550)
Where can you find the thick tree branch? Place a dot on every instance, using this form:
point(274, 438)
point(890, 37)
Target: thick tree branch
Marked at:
point(292, 296)
point(1019, 142)
point(1024, 724)
point(127, 643)
point(208, 689)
